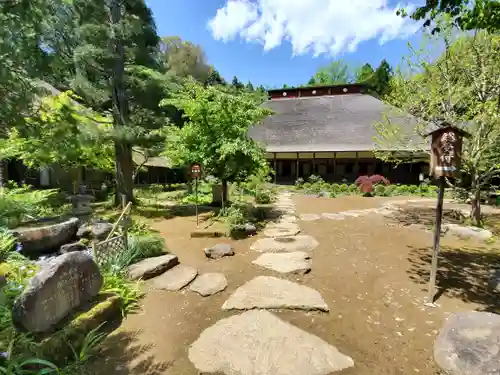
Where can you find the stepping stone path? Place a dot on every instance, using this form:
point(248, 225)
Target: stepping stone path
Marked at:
point(300, 242)
point(259, 343)
point(469, 232)
point(296, 262)
point(267, 292)
point(209, 284)
point(309, 217)
point(151, 267)
point(218, 251)
point(175, 278)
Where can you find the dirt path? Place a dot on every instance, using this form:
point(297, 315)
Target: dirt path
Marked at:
point(373, 277)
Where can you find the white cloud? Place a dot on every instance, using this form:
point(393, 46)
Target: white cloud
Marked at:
point(317, 26)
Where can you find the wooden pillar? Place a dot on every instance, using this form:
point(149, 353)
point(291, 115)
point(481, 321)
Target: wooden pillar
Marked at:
point(275, 168)
point(356, 165)
point(314, 164)
point(297, 167)
point(334, 165)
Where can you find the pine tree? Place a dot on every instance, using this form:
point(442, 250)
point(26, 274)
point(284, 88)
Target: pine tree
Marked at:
point(249, 86)
point(365, 74)
point(237, 84)
point(380, 83)
point(116, 63)
point(311, 82)
point(214, 78)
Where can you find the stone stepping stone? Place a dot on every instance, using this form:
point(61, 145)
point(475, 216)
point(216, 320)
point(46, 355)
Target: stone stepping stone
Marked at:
point(468, 344)
point(208, 284)
point(259, 343)
point(175, 278)
point(309, 217)
point(349, 213)
point(287, 219)
point(296, 262)
point(299, 242)
point(469, 232)
point(218, 251)
point(333, 216)
point(267, 292)
point(281, 230)
point(152, 267)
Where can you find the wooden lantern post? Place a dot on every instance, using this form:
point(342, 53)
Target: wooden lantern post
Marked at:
point(195, 171)
point(446, 151)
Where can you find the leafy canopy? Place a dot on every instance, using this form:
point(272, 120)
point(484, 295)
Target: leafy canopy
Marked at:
point(216, 131)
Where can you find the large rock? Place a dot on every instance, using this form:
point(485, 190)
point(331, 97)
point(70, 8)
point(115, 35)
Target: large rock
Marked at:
point(296, 262)
point(42, 238)
point(469, 232)
point(469, 344)
point(151, 267)
point(209, 283)
point(220, 250)
point(175, 278)
point(284, 244)
point(55, 291)
point(259, 343)
point(70, 247)
point(97, 229)
point(266, 292)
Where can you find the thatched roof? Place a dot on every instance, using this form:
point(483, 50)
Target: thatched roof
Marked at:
point(326, 123)
point(139, 158)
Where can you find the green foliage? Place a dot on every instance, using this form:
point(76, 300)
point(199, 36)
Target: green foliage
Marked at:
point(62, 133)
point(129, 292)
point(7, 243)
point(88, 346)
point(481, 14)
point(336, 73)
point(379, 190)
point(216, 132)
point(20, 203)
point(139, 247)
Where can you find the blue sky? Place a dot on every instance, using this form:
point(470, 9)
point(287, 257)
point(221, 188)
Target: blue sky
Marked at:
point(273, 42)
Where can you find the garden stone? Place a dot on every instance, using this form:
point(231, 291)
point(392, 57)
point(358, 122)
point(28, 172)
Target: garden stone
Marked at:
point(60, 287)
point(285, 244)
point(175, 278)
point(68, 248)
point(296, 262)
point(97, 229)
point(250, 229)
point(39, 239)
point(281, 230)
point(151, 267)
point(218, 251)
point(259, 343)
point(309, 217)
point(287, 219)
point(266, 292)
point(468, 344)
point(469, 232)
point(494, 283)
point(323, 194)
point(333, 216)
point(209, 284)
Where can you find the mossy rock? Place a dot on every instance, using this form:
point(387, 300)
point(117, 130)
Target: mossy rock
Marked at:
point(106, 310)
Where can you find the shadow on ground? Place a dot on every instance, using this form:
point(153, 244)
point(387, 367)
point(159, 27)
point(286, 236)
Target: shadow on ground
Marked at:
point(462, 274)
point(426, 216)
point(121, 354)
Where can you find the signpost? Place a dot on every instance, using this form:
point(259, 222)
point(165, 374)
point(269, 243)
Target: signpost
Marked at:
point(446, 150)
point(196, 174)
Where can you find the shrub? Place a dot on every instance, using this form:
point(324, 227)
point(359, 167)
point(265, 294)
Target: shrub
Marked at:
point(129, 292)
point(313, 179)
point(264, 196)
point(139, 247)
point(389, 190)
point(366, 183)
point(7, 243)
point(235, 215)
point(299, 182)
point(379, 190)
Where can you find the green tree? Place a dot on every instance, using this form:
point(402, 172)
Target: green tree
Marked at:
point(184, 59)
point(118, 71)
point(461, 87)
point(380, 80)
point(237, 84)
point(336, 73)
point(365, 74)
point(311, 82)
point(479, 14)
point(216, 132)
point(249, 86)
point(62, 133)
point(214, 78)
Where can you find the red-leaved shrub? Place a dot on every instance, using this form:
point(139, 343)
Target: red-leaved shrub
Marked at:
point(366, 183)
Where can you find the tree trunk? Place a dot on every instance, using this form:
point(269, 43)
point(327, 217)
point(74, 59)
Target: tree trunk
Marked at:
point(475, 212)
point(2, 175)
point(123, 150)
point(224, 192)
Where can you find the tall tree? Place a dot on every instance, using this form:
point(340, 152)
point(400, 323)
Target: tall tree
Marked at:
point(214, 78)
point(380, 81)
point(478, 14)
point(216, 132)
point(184, 58)
point(336, 73)
point(116, 64)
point(461, 87)
point(365, 74)
point(249, 86)
point(237, 84)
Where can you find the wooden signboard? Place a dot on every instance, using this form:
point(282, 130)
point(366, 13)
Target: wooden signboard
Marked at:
point(446, 151)
point(195, 170)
